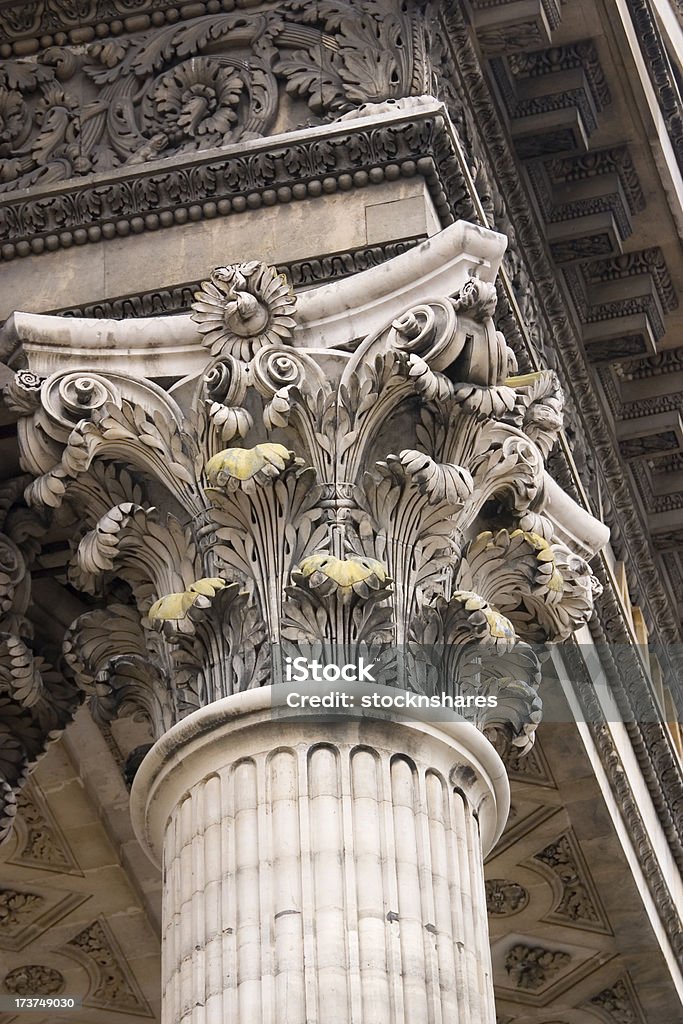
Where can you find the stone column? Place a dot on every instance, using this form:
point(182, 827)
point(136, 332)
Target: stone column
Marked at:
point(357, 471)
point(322, 870)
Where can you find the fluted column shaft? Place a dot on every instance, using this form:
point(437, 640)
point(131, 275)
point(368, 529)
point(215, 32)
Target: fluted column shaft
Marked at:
point(322, 871)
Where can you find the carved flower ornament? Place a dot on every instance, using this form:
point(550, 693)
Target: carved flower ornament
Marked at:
point(198, 98)
point(243, 307)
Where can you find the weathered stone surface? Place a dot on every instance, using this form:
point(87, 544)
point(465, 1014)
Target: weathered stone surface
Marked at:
point(313, 882)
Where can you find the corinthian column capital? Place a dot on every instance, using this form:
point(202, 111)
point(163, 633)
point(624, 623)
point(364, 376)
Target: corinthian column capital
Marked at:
point(351, 476)
point(359, 471)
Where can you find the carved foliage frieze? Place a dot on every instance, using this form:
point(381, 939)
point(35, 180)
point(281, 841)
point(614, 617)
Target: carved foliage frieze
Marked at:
point(201, 83)
point(617, 1003)
point(159, 196)
point(533, 968)
point(662, 74)
point(112, 983)
point(40, 842)
point(505, 27)
point(55, 21)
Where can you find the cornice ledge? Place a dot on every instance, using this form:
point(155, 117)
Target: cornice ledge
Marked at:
point(628, 533)
point(99, 207)
point(170, 346)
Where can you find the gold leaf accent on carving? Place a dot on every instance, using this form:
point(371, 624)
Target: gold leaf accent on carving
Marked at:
point(546, 556)
point(500, 627)
point(523, 380)
point(266, 461)
point(176, 606)
point(354, 573)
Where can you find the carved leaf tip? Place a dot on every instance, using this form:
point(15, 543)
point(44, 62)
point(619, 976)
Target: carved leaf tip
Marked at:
point(174, 608)
point(262, 463)
point(326, 574)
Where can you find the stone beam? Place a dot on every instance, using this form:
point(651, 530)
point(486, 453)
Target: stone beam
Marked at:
point(650, 436)
point(507, 26)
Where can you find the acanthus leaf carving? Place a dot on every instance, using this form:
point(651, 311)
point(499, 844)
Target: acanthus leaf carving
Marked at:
point(154, 444)
point(155, 558)
point(439, 482)
point(544, 589)
point(288, 526)
point(533, 967)
point(36, 702)
point(340, 607)
point(112, 659)
point(230, 469)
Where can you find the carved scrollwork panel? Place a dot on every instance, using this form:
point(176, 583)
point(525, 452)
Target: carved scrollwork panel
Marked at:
point(201, 83)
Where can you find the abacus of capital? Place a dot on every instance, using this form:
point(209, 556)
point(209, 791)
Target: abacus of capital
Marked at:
point(359, 471)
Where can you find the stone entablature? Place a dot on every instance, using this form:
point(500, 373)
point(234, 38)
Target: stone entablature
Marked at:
point(402, 139)
point(218, 78)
